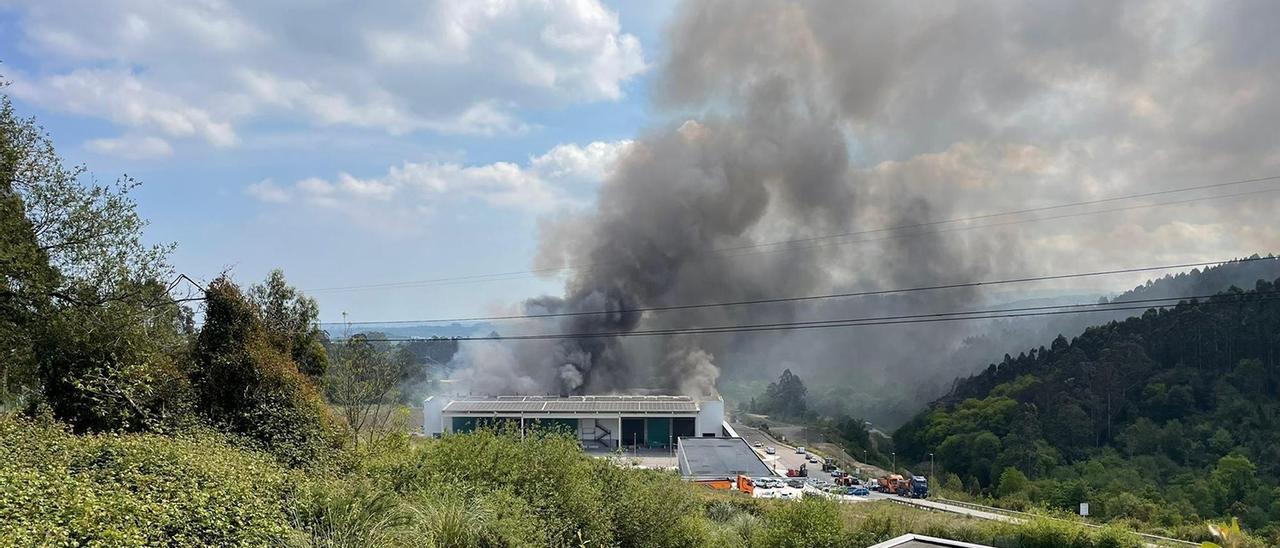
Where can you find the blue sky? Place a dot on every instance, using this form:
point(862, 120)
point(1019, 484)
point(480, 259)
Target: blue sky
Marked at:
point(351, 144)
point(167, 95)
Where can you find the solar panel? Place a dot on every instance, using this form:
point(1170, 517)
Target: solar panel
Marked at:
point(575, 404)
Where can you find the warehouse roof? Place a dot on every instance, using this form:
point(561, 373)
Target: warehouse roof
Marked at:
point(573, 404)
point(718, 458)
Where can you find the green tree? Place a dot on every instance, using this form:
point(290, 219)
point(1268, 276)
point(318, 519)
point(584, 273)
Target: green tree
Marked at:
point(26, 279)
point(785, 398)
point(118, 366)
point(1236, 475)
point(246, 385)
point(290, 320)
point(69, 248)
point(1012, 481)
point(362, 381)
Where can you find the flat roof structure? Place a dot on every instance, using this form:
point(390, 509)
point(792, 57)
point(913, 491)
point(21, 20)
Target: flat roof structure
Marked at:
point(718, 458)
point(920, 541)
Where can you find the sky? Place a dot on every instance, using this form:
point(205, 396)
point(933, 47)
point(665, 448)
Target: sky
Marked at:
point(347, 150)
point(354, 144)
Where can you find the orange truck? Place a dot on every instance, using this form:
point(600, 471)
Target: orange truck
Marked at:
point(746, 484)
point(889, 484)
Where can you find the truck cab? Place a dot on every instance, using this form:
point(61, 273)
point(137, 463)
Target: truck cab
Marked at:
point(919, 487)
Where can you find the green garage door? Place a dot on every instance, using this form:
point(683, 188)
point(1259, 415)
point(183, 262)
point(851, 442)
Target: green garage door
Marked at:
point(633, 432)
point(658, 431)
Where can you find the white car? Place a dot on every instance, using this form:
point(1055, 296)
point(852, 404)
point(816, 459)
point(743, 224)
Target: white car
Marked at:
point(800, 450)
point(758, 444)
point(770, 450)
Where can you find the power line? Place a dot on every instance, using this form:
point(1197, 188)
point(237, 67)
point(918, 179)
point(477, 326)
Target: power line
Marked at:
point(1080, 308)
point(802, 298)
point(505, 276)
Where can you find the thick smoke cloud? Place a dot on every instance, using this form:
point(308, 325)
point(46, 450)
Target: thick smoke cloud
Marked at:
point(797, 120)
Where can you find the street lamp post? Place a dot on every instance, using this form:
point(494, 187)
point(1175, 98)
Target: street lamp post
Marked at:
point(930, 467)
point(895, 463)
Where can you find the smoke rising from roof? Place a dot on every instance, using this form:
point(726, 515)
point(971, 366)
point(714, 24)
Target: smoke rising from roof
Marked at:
point(795, 120)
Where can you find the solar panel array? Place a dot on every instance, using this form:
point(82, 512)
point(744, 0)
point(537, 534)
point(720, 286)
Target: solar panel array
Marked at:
point(575, 404)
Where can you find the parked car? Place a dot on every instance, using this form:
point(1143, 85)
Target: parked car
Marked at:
point(859, 491)
point(770, 450)
point(795, 484)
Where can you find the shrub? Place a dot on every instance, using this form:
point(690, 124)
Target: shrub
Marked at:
point(808, 523)
point(549, 472)
point(134, 489)
point(335, 514)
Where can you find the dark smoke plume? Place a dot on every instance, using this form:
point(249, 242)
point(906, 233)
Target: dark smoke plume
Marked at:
point(793, 120)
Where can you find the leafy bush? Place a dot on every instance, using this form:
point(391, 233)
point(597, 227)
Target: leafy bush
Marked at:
point(811, 522)
point(246, 386)
point(59, 489)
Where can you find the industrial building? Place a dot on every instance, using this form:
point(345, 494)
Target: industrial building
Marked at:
point(599, 421)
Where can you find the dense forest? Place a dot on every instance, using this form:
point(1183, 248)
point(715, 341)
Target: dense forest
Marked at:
point(1164, 418)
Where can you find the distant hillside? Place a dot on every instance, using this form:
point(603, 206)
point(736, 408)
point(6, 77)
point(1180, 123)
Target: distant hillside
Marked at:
point(415, 331)
point(1159, 418)
point(891, 403)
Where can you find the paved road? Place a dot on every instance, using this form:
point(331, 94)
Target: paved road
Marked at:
point(786, 456)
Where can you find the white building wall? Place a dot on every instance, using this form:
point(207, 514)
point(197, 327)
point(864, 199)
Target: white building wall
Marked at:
point(432, 416)
point(710, 417)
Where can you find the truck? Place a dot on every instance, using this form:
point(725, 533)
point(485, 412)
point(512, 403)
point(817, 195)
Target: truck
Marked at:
point(890, 484)
point(746, 484)
point(828, 464)
point(846, 480)
point(802, 472)
point(918, 487)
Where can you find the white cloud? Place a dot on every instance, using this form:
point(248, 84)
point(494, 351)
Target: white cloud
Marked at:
point(539, 185)
point(126, 100)
point(201, 69)
point(266, 190)
point(131, 147)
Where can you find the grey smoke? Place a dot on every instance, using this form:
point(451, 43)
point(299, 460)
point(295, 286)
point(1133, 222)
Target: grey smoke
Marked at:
point(791, 120)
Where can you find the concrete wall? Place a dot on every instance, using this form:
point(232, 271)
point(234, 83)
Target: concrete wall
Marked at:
point(710, 417)
point(432, 418)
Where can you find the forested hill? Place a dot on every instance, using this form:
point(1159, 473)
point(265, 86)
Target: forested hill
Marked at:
point(1238, 273)
point(1160, 417)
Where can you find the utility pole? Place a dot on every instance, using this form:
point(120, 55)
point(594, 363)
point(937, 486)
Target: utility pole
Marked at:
point(895, 463)
point(930, 467)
